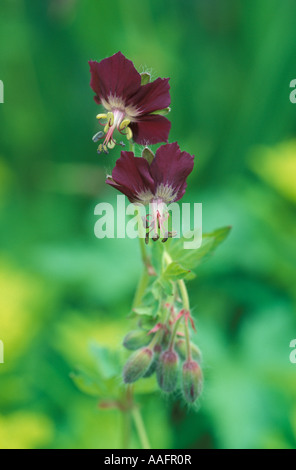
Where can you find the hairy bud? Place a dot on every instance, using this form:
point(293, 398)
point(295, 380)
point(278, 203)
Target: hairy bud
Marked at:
point(157, 350)
point(167, 371)
point(192, 381)
point(137, 365)
point(180, 346)
point(136, 339)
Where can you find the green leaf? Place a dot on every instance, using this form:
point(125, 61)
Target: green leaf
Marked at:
point(191, 258)
point(107, 361)
point(145, 310)
point(88, 384)
point(161, 288)
point(175, 271)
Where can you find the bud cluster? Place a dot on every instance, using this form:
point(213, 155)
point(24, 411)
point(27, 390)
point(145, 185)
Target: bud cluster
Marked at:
point(165, 352)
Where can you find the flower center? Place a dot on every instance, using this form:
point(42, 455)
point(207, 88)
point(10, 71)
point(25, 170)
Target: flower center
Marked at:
point(111, 121)
point(156, 222)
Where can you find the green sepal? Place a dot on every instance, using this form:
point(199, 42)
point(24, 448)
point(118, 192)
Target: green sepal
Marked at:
point(148, 155)
point(145, 78)
point(162, 112)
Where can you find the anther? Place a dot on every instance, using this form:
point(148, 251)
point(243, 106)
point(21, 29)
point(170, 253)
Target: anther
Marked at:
point(97, 136)
point(111, 144)
point(145, 222)
point(101, 116)
point(124, 124)
point(110, 117)
point(129, 133)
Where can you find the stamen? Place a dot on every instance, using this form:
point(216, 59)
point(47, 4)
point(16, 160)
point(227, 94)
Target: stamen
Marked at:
point(110, 117)
point(155, 222)
point(129, 133)
point(124, 124)
point(168, 235)
point(101, 116)
point(98, 136)
point(102, 148)
point(145, 222)
point(111, 144)
point(114, 120)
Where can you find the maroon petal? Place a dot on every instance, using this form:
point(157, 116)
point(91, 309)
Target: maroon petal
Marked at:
point(148, 130)
point(171, 166)
point(152, 96)
point(131, 175)
point(114, 76)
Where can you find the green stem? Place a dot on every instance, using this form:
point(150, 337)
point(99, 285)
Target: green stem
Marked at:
point(186, 305)
point(171, 343)
point(181, 285)
point(140, 428)
point(184, 294)
point(155, 339)
point(126, 429)
point(131, 147)
point(133, 410)
point(185, 300)
point(144, 256)
point(187, 339)
point(127, 403)
point(143, 283)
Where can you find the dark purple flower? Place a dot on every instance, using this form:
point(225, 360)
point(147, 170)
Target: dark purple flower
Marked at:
point(158, 184)
point(133, 109)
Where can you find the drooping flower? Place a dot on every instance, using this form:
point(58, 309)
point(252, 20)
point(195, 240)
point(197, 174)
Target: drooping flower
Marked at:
point(134, 109)
point(157, 184)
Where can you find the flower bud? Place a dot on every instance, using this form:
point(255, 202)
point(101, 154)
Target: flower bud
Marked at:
point(137, 365)
point(157, 350)
point(182, 350)
point(167, 371)
point(192, 381)
point(136, 339)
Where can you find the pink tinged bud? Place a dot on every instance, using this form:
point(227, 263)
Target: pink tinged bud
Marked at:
point(137, 365)
point(136, 339)
point(181, 349)
point(192, 381)
point(167, 371)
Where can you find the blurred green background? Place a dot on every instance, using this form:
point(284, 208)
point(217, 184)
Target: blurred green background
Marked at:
point(230, 64)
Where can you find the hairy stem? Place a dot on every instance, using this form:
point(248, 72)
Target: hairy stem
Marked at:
point(143, 283)
point(186, 304)
point(126, 429)
point(173, 336)
point(132, 409)
point(144, 255)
